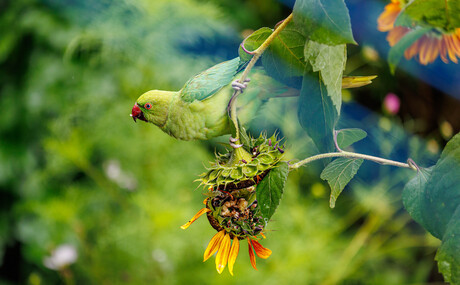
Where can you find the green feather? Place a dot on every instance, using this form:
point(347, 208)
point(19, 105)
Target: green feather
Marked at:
point(210, 81)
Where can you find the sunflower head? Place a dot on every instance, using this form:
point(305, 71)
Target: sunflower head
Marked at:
point(245, 166)
point(231, 205)
point(236, 212)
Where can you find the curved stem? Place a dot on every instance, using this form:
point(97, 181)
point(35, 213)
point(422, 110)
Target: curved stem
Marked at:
point(410, 163)
point(257, 53)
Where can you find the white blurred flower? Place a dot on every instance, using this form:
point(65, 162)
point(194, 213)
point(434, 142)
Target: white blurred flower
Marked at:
point(112, 169)
point(61, 257)
point(114, 172)
point(159, 255)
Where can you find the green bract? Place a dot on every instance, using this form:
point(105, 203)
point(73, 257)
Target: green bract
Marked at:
point(244, 166)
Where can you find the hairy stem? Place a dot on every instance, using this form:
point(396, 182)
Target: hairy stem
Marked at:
point(257, 53)
point(410, 163)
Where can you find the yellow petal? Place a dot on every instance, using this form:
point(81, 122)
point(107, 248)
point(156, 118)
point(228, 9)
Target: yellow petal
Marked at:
point(261, 251)
point(262, 234)
point(252, 256)
point(356, 81)
point(233, 254)
point(213, 245)
point(222, 254)
point(205, 201)
point(197, 215)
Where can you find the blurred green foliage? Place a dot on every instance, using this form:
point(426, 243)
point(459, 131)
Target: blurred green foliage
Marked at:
point(75, 169)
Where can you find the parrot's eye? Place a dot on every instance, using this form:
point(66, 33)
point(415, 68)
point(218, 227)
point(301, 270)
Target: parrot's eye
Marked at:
point(148, 106)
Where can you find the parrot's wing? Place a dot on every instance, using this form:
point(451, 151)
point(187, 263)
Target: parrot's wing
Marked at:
point(210, 81)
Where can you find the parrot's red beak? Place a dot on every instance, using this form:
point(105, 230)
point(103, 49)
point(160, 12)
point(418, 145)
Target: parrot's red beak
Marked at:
point(136, 113)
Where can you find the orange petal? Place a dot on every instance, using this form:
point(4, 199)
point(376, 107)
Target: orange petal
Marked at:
point(387, 19)
point(434, 51)
point(443, 50)
point(424, 50)
point(262, 234)
point(252, 256)
point(395, 34)
point(233, 254)
point(261, 251)
point(450, 48)
point(222, 254)
point(456, 43)
point(213, 245)
point(205, 201)
point(197, 215)
point(413, 49)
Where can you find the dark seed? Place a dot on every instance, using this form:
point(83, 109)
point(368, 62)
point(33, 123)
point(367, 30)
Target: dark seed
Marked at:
point(280, 150)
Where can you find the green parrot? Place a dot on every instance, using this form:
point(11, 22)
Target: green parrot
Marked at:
point(199, 111)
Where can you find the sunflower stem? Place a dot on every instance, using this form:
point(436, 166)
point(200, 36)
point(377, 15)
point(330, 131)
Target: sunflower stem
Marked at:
point(256, 55)
point(410, 163)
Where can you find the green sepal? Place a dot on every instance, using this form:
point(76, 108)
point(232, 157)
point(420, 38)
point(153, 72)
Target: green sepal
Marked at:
point(250, 171)
point(237, 173)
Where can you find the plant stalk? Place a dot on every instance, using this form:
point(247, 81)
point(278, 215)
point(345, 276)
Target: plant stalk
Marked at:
point(257, 53)
point(410, 163)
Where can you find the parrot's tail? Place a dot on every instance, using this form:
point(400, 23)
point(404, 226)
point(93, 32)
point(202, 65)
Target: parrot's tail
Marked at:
point(263, 88)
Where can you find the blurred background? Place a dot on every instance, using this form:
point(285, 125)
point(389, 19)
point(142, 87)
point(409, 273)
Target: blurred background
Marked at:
point(89, 197)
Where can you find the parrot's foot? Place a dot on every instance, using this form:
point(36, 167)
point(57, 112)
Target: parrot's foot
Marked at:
point(233, 141)
point(238, 86)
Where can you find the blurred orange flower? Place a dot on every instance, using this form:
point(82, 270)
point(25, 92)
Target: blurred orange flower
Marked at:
point(427, 48)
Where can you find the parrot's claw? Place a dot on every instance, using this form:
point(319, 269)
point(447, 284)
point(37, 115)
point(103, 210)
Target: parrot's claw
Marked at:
point(233, 140)
point(235, 145)
point(238, 86)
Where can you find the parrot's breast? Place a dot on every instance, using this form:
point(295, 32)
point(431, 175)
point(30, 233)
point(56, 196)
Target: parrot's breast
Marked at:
point(199, 120)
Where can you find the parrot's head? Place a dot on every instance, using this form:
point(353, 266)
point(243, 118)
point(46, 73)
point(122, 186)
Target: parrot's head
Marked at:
point(152, 106)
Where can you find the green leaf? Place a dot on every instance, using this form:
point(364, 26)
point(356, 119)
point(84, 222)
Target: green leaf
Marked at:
point(347, 137)
point(270, 190)
point(254, 41)
point(325, 21)
point(413, 194)
point(338, 173)
point(330, 62)
point(403, 20)
point(432, 198)
point(448, 255)
point(442, 194)
point(284, 59)
point(397, 51)
point(436, 13)
point(316, 112)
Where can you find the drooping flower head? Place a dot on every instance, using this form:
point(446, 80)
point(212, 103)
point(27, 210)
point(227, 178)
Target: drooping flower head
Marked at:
point(231, 204)
point(436, 42)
